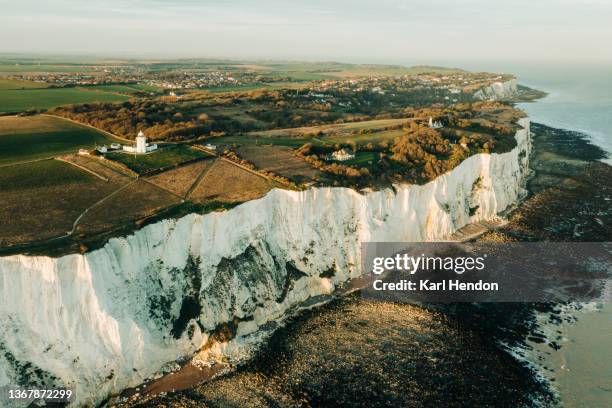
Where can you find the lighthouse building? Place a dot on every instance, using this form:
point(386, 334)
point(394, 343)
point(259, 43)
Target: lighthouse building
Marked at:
point(141, 145)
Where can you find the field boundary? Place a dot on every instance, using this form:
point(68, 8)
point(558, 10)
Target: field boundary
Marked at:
point(255, 172)
point(82, 168)
point(114, 136)
point(27, 161)
point(198, 180)
point(100, 201)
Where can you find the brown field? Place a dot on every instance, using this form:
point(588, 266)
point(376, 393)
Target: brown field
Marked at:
point(137, 200)
point(42, 200)
point(279, 160)
point(229, 183)
point(181, 179)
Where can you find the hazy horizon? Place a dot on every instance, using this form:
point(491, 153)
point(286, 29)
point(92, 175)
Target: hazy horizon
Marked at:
point(395, 32)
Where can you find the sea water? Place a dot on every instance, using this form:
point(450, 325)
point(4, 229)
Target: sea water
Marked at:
point(579, 98)
point(579, 95)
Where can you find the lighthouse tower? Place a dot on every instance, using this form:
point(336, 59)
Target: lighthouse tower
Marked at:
point(141, 143)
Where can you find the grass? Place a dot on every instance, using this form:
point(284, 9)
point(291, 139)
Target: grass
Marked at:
point(179, 180)
point(161, 159)
point(18, 68)
point(125, 88)
point(35, 137)
point(374, 137)
point(49, 173)
point(227, 183)
point(279, 160)
point(19, 100)
point(334, 129)
point(136, 201)
point(236, 88)
point(252, 140)
point(17, 84)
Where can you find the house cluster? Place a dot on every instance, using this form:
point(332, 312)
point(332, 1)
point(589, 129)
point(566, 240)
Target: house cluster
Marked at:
point(141, 146)
point(342, 155)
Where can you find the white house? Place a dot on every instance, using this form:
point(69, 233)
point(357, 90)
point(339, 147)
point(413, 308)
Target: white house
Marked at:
point(102, 149)
point(342, 155)
point(210, 146)
point(115, 146)
point(436, 124)
point(141, 145)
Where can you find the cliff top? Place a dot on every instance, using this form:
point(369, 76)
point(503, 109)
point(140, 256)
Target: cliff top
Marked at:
point(217, 150)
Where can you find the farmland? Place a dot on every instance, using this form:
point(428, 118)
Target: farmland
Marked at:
point(181, 179)
point(226, 182)
point(273, 125)
point(16, 67)
point(278, 160)
point(333, 129)
point(35, 137)
point(18, 100)
point(11, 84)
point(126, 89)
point(42, 199)
point(136, 200)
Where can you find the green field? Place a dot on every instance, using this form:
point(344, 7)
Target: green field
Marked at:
point(18, 85)
point(163, 158)
point(125, 88)
point(35, 137)
point(18, 68)
point(42, 174)
point(374, 137)
point(15, 99)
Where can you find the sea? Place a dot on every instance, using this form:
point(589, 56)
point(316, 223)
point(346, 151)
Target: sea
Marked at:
point(579, 96)
point(580, 99)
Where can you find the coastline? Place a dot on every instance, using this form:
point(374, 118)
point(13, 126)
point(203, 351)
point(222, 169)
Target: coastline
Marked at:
point(291, 263)
point(563, 162)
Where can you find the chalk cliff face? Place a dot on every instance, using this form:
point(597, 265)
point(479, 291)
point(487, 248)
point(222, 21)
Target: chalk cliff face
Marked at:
point(106, 320)
point(497, 90)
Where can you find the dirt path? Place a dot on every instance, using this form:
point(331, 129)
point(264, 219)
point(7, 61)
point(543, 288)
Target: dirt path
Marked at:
point(26, 162)
point(78, 166)
point(76, 222)
point(198, 180)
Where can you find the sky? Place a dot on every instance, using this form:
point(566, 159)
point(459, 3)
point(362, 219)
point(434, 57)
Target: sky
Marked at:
point(381, 31)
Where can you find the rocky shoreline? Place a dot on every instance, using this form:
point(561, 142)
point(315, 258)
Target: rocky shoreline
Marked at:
point(360, 353)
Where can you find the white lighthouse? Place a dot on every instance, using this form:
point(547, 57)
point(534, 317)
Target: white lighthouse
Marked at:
point(141, 145)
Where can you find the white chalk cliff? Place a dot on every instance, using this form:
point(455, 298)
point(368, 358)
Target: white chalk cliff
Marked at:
point(497, 90)
point(108, 319)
